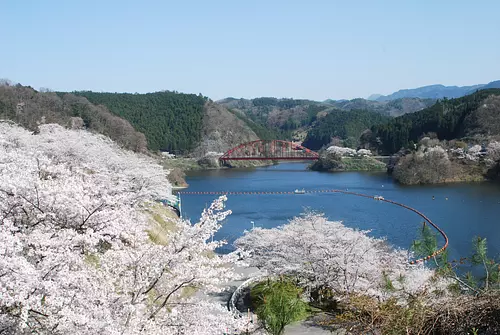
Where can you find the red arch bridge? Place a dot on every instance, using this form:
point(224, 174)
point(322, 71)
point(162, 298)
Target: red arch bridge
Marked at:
point(269, 150)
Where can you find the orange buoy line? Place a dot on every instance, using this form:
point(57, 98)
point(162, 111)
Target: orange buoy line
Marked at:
point(443, 234)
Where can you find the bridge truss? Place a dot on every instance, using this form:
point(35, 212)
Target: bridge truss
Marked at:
point(269, 150)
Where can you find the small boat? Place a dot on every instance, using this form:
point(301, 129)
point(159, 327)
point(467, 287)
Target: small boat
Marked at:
point(297, 191)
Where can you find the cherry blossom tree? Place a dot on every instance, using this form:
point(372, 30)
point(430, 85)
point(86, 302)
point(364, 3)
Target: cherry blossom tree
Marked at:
point(326, 254)
point(75, 254)
point(341, 151)
point(364, 153)
point(347, 152)
point(493, 151)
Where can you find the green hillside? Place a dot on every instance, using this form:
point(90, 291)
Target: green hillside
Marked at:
point(276, 117)
point(472, 115)
point(342, 124)
point(171, 121)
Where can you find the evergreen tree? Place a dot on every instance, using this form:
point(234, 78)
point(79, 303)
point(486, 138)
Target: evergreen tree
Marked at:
point(171, 121)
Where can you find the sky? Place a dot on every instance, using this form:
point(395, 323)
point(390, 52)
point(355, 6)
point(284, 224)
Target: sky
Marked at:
point(296, 49)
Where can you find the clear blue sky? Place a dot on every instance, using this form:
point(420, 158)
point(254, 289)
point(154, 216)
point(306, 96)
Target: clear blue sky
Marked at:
point(301, 49)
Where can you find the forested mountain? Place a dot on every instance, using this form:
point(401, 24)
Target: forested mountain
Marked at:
point(282, 116)
point(477, 114)
point(171, 121)
point(342, 124)
point(279, 115)
point(192, 124)
point(435, 92)
point(30, 108)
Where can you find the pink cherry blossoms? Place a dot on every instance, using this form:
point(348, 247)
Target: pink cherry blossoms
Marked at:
point(327, 254)
point(75, 256)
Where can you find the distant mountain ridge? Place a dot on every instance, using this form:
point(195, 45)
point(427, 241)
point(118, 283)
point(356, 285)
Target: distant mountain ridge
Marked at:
point(434, 92)
point(290, 114)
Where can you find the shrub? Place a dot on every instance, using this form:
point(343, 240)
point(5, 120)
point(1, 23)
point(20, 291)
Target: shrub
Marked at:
point(424, 167)
point(365, 315)
point(278, 303)
point(330, 161)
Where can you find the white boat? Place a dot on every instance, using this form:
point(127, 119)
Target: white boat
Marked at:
point(297, 191)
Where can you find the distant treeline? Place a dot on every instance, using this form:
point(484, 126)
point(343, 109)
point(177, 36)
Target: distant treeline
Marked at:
point(341, 124)
point(449, 119)
point(171, 121)
point(281, 103)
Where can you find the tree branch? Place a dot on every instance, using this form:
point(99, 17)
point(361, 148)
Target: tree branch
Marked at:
point(169, 295)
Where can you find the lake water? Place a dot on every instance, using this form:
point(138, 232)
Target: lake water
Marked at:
point(461, 210)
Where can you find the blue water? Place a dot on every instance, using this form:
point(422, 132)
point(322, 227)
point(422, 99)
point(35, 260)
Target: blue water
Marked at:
point(462, 210)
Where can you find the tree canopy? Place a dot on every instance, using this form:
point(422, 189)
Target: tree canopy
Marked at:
point(449, 119)
point(171, 121)
point(343, 124)
point(83, 252)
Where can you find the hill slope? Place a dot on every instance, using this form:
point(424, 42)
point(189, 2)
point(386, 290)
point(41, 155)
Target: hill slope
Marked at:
point(171, 121)
point(222, 130)
point(288, 118)
point(30, 108)
point(475, 115)
point(185, 124)
point(279, 114)
point(342, 124)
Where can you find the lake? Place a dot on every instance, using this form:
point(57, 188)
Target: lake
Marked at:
point(461, 210)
